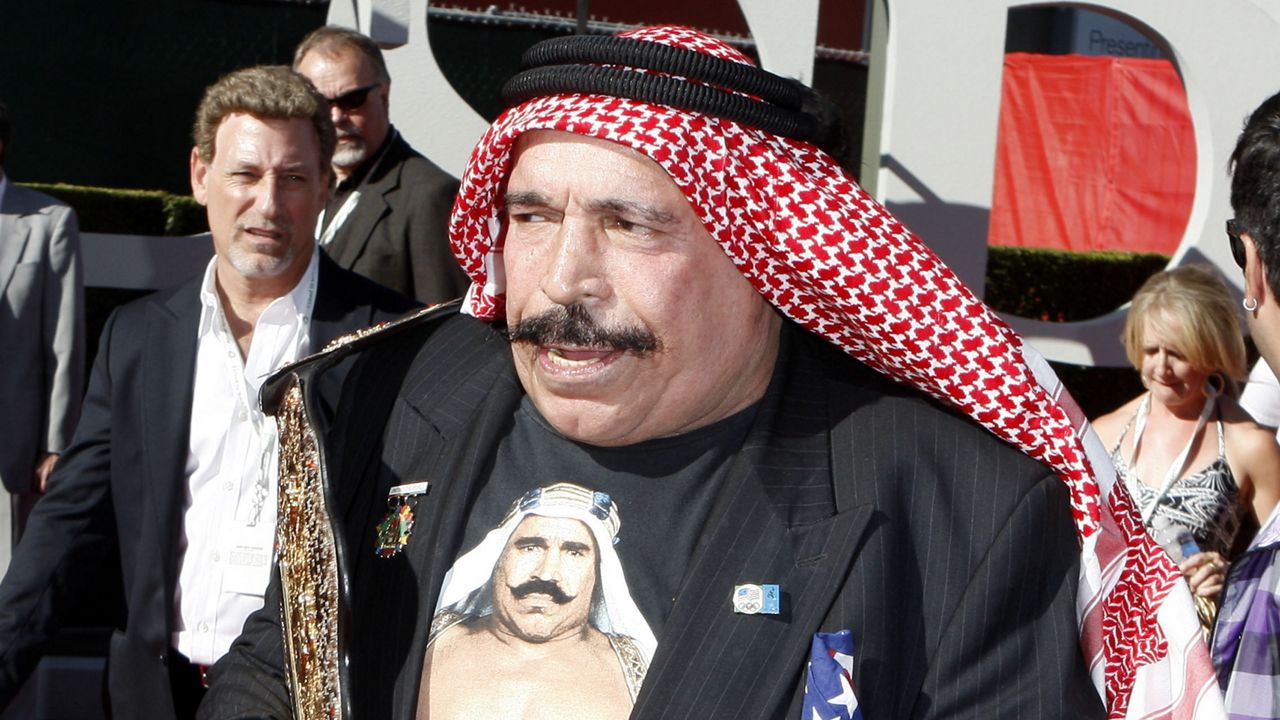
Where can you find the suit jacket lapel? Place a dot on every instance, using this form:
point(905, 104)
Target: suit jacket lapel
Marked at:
point(14, 231)
point(334, 312)
point(776, 522)
point(167, 379)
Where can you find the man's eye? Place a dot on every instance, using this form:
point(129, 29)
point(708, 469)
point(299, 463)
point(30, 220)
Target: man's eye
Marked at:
point(527, 217)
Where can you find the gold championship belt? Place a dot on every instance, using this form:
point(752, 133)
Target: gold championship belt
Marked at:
point(308, 562)
point(308, 544)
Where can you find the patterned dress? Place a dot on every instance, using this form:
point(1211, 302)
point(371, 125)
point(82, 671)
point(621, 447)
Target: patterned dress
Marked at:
point(1205, 502)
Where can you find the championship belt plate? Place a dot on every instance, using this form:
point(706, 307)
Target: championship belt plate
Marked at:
point(308, 562)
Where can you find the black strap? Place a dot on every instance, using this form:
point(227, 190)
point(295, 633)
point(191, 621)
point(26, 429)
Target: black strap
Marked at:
point(668, 59)
point(662, 90)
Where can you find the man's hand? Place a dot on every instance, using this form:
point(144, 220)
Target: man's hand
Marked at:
point(44, 468)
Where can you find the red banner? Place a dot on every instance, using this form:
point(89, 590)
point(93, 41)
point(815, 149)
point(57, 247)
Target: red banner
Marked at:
point(1094, 153)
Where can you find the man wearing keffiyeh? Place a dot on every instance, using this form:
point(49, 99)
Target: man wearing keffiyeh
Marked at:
point(654, 228)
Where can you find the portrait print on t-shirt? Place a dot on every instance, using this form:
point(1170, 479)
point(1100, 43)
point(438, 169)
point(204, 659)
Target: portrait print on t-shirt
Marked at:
point(536, 621)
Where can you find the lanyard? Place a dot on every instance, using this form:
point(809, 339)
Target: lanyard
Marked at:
point(1179, 462)
point(349, 205)
point(263, 431)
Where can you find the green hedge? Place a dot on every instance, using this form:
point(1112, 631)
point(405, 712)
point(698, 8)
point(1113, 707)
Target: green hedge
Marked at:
point(1063, 286)
point(129, 212)
point(123, 212)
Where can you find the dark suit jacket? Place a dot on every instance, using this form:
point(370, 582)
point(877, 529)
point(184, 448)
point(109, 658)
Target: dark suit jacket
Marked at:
point(397, 234)
point(121, 483)
point(951, 556)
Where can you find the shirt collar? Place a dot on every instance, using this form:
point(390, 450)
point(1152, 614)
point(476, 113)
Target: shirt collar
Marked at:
point(292, 304)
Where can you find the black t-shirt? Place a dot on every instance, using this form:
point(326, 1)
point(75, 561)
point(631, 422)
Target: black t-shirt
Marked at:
point(663, 490)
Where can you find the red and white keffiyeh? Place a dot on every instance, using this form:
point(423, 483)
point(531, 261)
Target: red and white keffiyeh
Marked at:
point(834, 261)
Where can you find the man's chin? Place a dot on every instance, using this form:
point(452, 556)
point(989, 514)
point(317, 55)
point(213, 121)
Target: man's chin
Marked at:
point(259, 266)
point(350, 156)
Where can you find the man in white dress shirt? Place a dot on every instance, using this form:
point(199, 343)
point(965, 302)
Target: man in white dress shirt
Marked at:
point(169, 479)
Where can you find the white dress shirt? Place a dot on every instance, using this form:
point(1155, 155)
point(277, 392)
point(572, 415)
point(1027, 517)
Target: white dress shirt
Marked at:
point(1261, 396)
point(229, 517)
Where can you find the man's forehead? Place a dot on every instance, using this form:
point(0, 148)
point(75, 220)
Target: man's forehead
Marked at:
point(534, 525)
point(338, 60)
point(291, 139)
point(605, 175)
point(524, 149)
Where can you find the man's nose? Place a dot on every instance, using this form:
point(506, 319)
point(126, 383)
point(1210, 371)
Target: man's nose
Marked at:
point(576, 272)
point(268, 200)
point(549, 568)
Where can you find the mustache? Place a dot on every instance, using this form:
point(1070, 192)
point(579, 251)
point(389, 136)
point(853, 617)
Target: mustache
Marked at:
point(261, 223)
point(542, 587)
point(573, 325)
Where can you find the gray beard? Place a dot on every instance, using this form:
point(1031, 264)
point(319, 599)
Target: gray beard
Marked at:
point(257, 266)
point(349, 157)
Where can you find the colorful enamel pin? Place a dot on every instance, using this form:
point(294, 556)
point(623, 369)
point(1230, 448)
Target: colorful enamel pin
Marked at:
point(397, 525)
point(757, 599)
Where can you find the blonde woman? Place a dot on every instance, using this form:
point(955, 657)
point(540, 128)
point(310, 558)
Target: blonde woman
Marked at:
point(1191, 458)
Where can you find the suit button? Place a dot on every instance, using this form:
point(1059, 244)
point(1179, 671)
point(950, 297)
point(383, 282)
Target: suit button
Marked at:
point(164, 661)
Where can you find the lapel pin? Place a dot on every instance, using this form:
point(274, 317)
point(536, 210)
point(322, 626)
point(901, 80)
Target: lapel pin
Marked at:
point(397, 525)
point(757, 599)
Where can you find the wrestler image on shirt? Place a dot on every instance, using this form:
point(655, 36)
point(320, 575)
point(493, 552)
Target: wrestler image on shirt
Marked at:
point(536, 621)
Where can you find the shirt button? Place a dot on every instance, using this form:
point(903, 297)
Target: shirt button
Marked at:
point(242, 416)
point(228, 486)
point(217, 557)
point(203, 627)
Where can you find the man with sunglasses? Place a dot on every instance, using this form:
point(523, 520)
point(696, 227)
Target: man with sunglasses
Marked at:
point(1246, 637)
point(387, 216)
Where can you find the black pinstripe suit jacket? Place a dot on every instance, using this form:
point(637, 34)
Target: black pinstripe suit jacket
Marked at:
point(950, 556)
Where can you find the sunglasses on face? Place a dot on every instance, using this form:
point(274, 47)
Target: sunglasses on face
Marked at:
point(1237, 245)
point(352, 99)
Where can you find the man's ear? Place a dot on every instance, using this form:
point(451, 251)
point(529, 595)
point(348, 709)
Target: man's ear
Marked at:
point(1255, 276)
point(199, 176)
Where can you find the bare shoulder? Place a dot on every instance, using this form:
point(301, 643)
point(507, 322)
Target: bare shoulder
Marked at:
point(1110, 426)
point(1244, 433)
point(1249, 444)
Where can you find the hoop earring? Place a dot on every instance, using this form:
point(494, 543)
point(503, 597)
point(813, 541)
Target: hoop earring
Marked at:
point(1250, 304)
point(1214, 385)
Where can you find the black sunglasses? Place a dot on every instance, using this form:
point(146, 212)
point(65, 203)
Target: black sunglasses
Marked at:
point(352, 99)
point(1237, 246)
